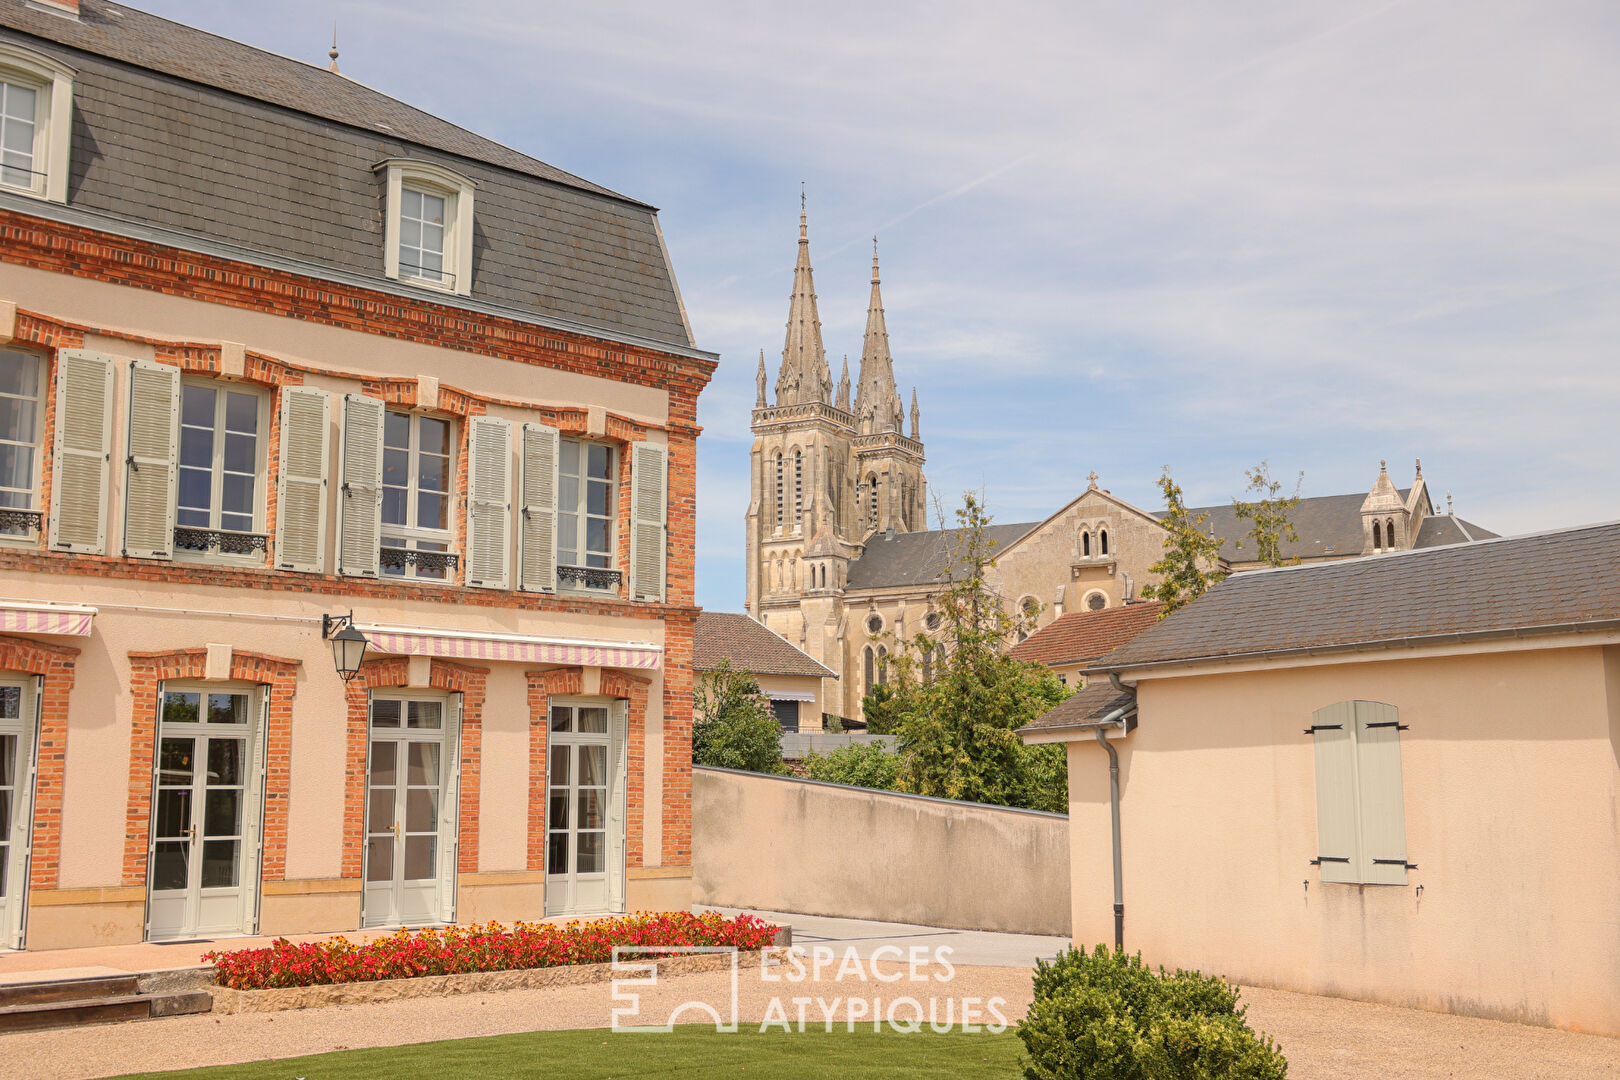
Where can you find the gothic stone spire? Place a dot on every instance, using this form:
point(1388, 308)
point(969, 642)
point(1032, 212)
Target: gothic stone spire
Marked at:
point(804, 376)
point(759, 382)
point(878, 402)
point(916, 427)
point(843, 386)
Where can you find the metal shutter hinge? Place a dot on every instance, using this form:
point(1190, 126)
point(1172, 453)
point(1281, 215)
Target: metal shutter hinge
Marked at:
point(1314, 728)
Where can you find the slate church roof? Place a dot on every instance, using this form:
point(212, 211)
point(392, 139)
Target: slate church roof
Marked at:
point(1329, 526)
point(208, 138)
point(919, 558)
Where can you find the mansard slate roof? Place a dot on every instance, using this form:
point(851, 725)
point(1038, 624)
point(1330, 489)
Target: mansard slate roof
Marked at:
point(1085, 635)
point(750, 646)
point(919, 558)
point(1552, 582)
point(1329, 526)
point(182, 130)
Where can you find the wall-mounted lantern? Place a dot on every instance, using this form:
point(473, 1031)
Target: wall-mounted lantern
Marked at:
point(348, 644)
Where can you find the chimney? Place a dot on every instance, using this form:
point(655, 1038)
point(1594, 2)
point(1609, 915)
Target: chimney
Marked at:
point(69, 8)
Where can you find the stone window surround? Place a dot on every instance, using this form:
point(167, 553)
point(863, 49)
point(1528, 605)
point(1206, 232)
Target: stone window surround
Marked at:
point(54, 115)
point(457, 192)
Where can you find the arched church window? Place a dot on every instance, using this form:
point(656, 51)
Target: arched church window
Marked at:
point(798, 487)
point(1102, 541)
point(872, 500)
point(1389, 532)
point(928, 663)
point(870, 665)
point(883, 664)
point(1085, 544)
point(1378, 535)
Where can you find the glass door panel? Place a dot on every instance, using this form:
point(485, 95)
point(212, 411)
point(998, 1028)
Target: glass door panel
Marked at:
point(405, 812)
point(200, 815)
point(577, 804)
point(17, 716)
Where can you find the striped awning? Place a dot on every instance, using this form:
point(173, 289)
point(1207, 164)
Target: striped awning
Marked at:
point(513, 648)
point(36, 617)
point(790, 695)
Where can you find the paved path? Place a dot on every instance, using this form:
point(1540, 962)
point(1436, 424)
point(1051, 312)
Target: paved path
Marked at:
point(1324, 1038)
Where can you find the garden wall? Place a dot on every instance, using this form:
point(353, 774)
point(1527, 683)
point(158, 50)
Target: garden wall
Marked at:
point(777, 843)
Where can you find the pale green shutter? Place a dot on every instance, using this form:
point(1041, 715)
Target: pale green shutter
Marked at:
point(648, 497)
point(538, 558)
point(489, 502)
point(618, 778)
point(1383, 809)
point(152, 466)
point(360, 486)
point(83, 450)
point(301, 497)
point(1333, 731)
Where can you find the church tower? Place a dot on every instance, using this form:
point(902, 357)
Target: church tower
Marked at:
point(825, 474)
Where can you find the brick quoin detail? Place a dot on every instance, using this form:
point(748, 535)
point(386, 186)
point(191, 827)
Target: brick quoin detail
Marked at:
point(147, 672)
point(56, 664)
point(677, 807)
point(391, 673)
point(569, 682)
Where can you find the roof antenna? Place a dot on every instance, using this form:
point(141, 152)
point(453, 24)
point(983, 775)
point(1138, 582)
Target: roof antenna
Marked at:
point(332, 67)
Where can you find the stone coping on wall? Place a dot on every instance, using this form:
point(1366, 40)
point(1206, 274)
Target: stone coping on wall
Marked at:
point(958, 803)
point(227, 1000)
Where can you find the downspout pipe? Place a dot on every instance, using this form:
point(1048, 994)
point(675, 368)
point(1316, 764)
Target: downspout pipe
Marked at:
point(1119, 717)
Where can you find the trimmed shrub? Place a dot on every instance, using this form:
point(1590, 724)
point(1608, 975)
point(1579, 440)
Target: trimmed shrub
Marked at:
point(867, 765)
point(1104, 1015)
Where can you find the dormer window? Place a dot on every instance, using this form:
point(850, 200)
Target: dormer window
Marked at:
point(428, 235)
point(36, 106)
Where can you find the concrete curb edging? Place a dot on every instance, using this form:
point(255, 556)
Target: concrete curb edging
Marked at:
point(230, 1001)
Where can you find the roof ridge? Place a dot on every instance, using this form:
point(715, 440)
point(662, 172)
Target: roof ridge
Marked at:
point(1389, 555)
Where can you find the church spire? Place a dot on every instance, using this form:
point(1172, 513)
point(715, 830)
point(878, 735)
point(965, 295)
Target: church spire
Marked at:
point(843, 386)
point(759, 382)
point(916, 432)
point(804, 376)
point(878, 402)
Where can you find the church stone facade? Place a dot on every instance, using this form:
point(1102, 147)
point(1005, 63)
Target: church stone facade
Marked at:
point(841, 562)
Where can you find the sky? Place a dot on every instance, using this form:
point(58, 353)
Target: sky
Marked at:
point(1114, 236)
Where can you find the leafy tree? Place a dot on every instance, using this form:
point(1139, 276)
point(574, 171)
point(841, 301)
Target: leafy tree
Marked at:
point(881, 708)
point(957, 728)
point(1190, 565)
point(733, 726)
point(1270, 516)
point(868, 765)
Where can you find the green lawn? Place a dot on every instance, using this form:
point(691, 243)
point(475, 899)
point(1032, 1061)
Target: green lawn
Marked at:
point(688, 1051)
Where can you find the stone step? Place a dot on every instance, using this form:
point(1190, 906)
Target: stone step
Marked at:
point(49, 1009)
point(50, 990)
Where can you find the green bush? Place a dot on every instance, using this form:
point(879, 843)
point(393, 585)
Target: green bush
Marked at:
point(868, 765)
point(1106, 1016)
point(732, 723)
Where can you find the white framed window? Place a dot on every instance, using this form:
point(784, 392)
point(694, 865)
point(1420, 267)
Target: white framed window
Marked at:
point(36, 112)
point(219, 499)
point(587, 511)
point(21, 421)
point(418, 464)
point(428, 226)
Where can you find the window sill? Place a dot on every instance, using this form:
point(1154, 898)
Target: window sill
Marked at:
point(253, 561)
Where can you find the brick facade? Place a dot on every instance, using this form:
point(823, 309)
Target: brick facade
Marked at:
point(147, 672)
point(56, 664)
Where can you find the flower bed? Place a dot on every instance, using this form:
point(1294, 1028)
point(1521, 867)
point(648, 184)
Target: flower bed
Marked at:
point(458, 950)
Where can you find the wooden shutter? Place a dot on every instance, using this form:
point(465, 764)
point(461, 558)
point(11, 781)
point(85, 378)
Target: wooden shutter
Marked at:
point(360, 486)
point(152, 467)
point(489, 502)
point(1333, 730)
point(648, 498)
point(301, 498)
point(1383, 809)
point(538, 527)
point(83, 452)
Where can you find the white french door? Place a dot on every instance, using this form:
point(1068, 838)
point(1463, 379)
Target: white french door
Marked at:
point(19, 724)
point(411, 810)
point(585, 809)
point(207, 812)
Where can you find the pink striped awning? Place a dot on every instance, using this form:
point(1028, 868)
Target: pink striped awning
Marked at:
point(462, 645)
point(26, 617)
